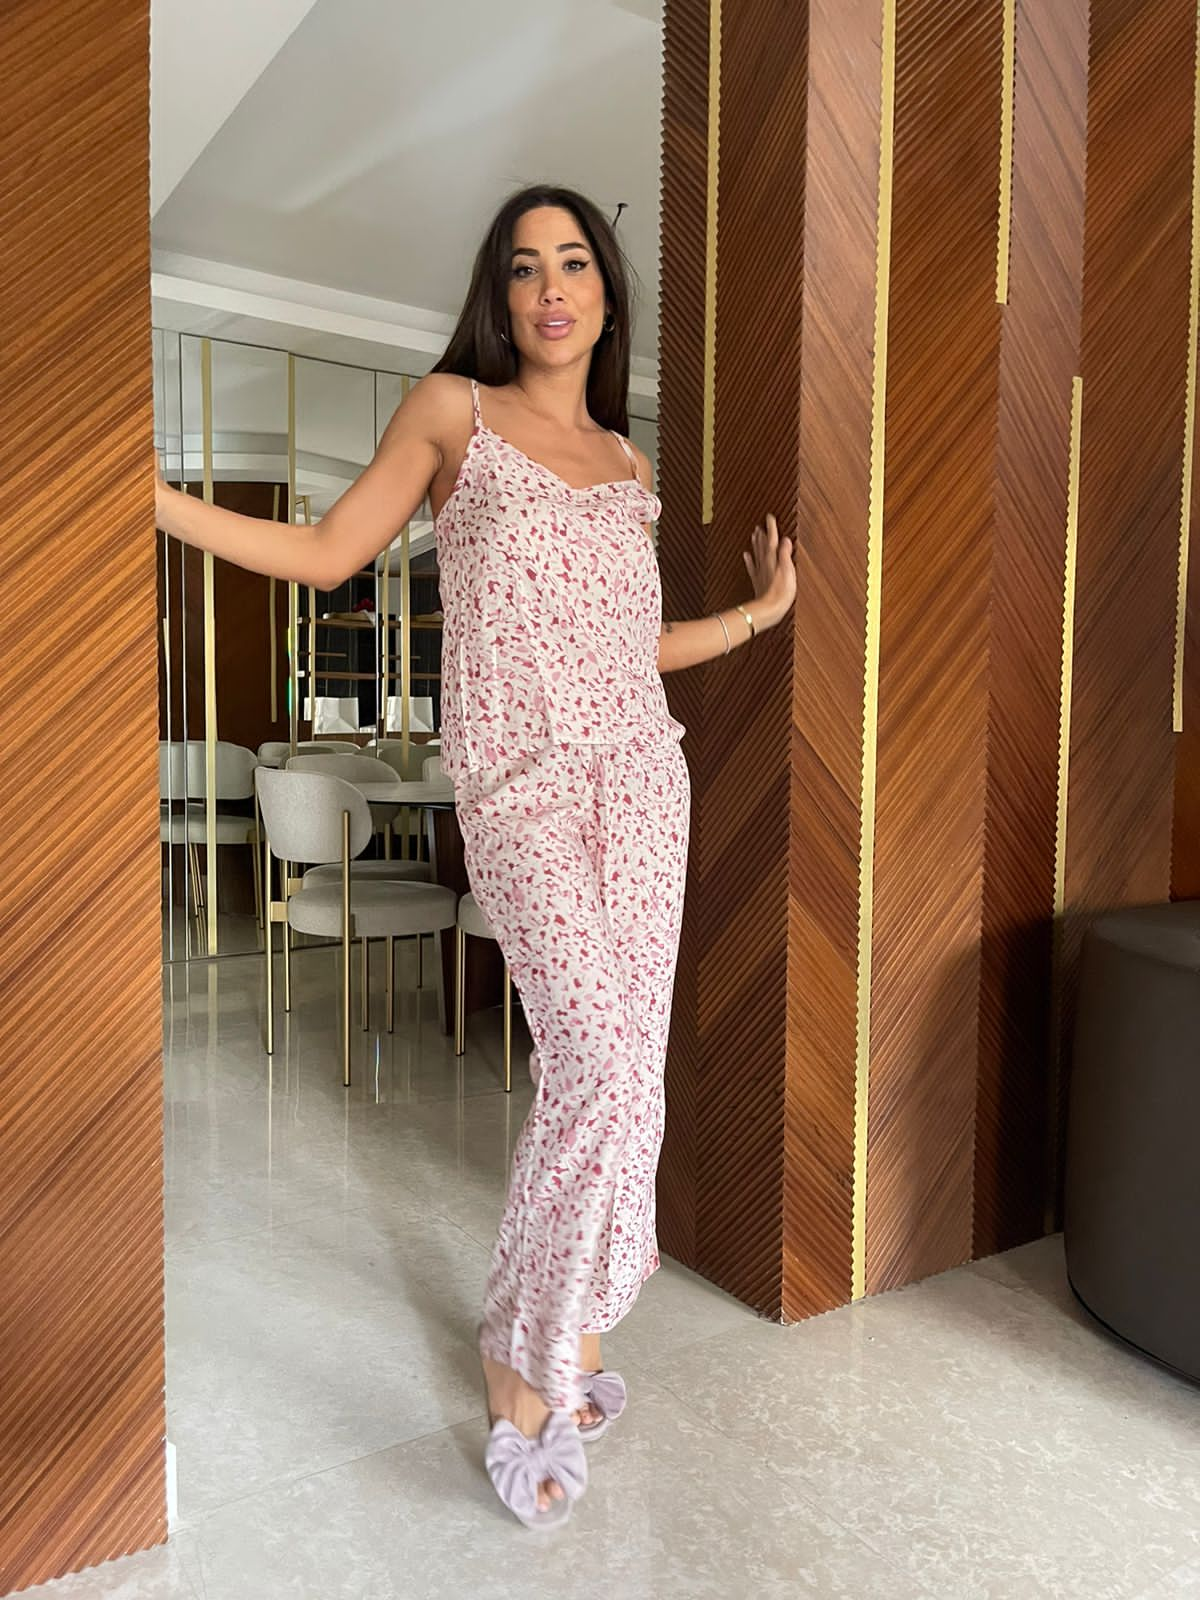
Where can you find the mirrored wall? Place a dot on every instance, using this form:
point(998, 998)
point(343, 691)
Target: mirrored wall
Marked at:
point(252, 669)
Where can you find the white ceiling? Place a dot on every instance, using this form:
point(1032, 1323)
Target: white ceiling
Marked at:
point(369, 151)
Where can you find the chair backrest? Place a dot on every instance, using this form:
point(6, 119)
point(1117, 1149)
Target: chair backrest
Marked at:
point(354, 769)
point(302, 815)
point(392, 751)
point(431, 769)
point(183, 770)
point(277, 751)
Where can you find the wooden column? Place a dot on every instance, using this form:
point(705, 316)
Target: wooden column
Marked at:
point(81, 1242)
point(949, 347)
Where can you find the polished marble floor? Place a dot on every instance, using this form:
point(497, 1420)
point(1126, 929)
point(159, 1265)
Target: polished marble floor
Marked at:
point(971, 1438)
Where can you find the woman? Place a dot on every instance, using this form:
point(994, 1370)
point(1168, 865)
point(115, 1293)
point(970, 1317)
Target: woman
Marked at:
point(571, 789)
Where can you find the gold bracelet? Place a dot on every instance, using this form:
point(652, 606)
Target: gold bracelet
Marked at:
point(725, 631)
point(749, 620)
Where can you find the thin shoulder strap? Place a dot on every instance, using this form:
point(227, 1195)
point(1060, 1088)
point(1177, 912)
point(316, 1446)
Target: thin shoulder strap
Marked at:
point(475, 405)
point(628, 449)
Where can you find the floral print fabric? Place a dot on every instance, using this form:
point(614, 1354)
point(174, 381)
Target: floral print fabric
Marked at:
point(552, 608)
point(577, 857)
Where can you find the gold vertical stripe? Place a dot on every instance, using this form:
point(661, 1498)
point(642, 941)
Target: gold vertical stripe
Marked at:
point(311, 680)
point(866, 881)
point(210, 663)
point(707, 443)
point(1007, 119)
point(1064, 775)
point(293, 588)
point(1189, 424)
point(405, 633)
point(385, 641)
point(271, 627)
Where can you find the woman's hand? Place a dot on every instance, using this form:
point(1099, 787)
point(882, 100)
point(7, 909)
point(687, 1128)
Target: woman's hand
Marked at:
point(772, 568)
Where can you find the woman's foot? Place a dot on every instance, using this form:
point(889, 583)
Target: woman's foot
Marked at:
point(511, 1398)
point(589, 1361)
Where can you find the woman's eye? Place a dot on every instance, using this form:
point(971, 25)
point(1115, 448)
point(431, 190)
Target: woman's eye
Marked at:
point(522, 271)
point(576, 263)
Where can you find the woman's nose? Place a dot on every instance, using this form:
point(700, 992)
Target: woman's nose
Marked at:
point(551, 291)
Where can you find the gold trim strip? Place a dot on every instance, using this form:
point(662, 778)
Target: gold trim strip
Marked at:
point(210, 663)
point(311, 678)
point(1064, 788)
point(1189, 425)
point(293, 588)
point(866, 881)
point(271, 624)
point(405, 638)
point(708, 437)
point(1007, 120)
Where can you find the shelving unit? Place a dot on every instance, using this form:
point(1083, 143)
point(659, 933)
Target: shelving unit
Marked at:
point(358, 664)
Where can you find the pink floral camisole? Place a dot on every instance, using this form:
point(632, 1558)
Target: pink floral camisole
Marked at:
point(552, 608)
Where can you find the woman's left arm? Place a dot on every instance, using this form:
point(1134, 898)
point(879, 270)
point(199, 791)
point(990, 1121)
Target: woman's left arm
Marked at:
point(772, 568)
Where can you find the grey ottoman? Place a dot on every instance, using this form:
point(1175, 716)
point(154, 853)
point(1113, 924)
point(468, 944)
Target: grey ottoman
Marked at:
point(1133, 1167)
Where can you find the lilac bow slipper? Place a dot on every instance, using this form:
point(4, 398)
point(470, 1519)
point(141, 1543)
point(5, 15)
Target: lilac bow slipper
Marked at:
point(518, 1466)
point(606, 1391)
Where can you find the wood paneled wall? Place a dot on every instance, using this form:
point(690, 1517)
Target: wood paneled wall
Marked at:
point(81, 1313)
point(938, 221)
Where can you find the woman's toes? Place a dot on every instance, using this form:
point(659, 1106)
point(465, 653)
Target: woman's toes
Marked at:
point(548, 1492)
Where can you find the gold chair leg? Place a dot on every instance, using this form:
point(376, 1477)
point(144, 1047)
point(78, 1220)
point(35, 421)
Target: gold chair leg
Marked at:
point(285, 873)
point(269, 947)
point(255, 852)
point(390, 946)
point(255, 874)
point(366, 983)
point(460, 992)
point(507, 1030)
point(346, 931)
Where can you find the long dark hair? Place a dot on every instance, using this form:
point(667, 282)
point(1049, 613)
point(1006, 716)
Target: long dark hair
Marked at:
point(480, 347)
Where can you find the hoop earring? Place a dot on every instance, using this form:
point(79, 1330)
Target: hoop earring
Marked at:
point(505, 337)
point(610, 323)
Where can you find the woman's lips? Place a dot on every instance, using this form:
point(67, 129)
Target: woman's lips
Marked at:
point(555, 328)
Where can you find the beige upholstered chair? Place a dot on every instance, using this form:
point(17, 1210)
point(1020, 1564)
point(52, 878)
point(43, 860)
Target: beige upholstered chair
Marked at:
point(276, 752)
point(392, 751)
point(314, 817)
point(183, 781)
point(473, 924)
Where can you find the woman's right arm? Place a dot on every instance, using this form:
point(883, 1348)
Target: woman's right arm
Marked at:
point(359, 524)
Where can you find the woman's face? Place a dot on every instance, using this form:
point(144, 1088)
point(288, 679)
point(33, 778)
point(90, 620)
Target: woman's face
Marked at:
point(556, 296)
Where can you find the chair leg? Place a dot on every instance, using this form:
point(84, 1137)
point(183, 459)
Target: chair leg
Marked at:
point(257, 876)
point(507, 1030)
point(285, 873)
point(256, 840)
point(346, 931)
point(390, 945)
point(366, 983)
point(269, 948)
point(460, 992)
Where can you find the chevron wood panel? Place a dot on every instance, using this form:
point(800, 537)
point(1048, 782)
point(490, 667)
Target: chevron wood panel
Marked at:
point(1039, 359)
point(836, 372)
point(680, 429)
point(938, 516)
point(743, 844)
point(725, 1082)
point(81, 1320)
point(1134, 343)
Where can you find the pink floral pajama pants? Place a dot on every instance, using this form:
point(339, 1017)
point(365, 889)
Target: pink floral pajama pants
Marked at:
point(576, 855)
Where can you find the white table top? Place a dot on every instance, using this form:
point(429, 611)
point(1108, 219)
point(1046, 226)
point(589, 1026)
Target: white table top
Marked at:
point(408, 792)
